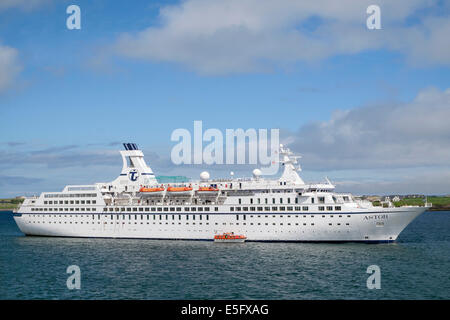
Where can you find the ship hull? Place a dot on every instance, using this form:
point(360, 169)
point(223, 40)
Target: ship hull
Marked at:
point(376, 225)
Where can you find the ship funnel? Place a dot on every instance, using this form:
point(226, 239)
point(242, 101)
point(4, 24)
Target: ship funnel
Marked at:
point(135, 171)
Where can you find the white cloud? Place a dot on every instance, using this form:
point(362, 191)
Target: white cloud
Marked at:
point(402, 135)
point(219, 37)
point(9, 67)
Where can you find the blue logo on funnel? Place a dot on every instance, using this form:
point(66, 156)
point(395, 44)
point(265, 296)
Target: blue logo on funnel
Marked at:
point(133, 175)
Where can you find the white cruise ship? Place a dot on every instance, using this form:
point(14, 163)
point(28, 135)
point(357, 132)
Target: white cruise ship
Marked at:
point(135, 205)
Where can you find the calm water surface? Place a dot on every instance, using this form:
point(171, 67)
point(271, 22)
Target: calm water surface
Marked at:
point(417, 266)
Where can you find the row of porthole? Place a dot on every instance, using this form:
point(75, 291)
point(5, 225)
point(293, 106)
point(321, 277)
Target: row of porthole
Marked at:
point(187, 223)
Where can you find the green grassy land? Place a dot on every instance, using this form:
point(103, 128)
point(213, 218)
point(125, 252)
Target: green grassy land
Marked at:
point(439, 203)
point(6, 204)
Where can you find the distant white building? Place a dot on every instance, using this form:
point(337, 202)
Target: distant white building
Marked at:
point(395, 199)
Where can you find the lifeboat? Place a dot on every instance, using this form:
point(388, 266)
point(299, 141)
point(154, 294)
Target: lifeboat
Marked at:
point(152, 191)
point(207, 190)
point(229, 237)
point(179, 190)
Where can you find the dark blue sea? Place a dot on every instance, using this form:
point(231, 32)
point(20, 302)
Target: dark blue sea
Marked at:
point(417, 266)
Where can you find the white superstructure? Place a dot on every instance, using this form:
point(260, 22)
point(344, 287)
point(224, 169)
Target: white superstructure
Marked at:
point(135, 205)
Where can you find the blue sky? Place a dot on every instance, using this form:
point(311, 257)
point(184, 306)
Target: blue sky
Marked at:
point(137, 72)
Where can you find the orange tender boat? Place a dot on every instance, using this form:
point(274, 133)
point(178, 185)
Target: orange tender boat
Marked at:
point(179, 189)
point(229, 237)
point(151, 189)
point(207, 189)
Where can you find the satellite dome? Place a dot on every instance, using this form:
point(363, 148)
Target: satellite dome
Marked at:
point(204, 175)
point(256, 173)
